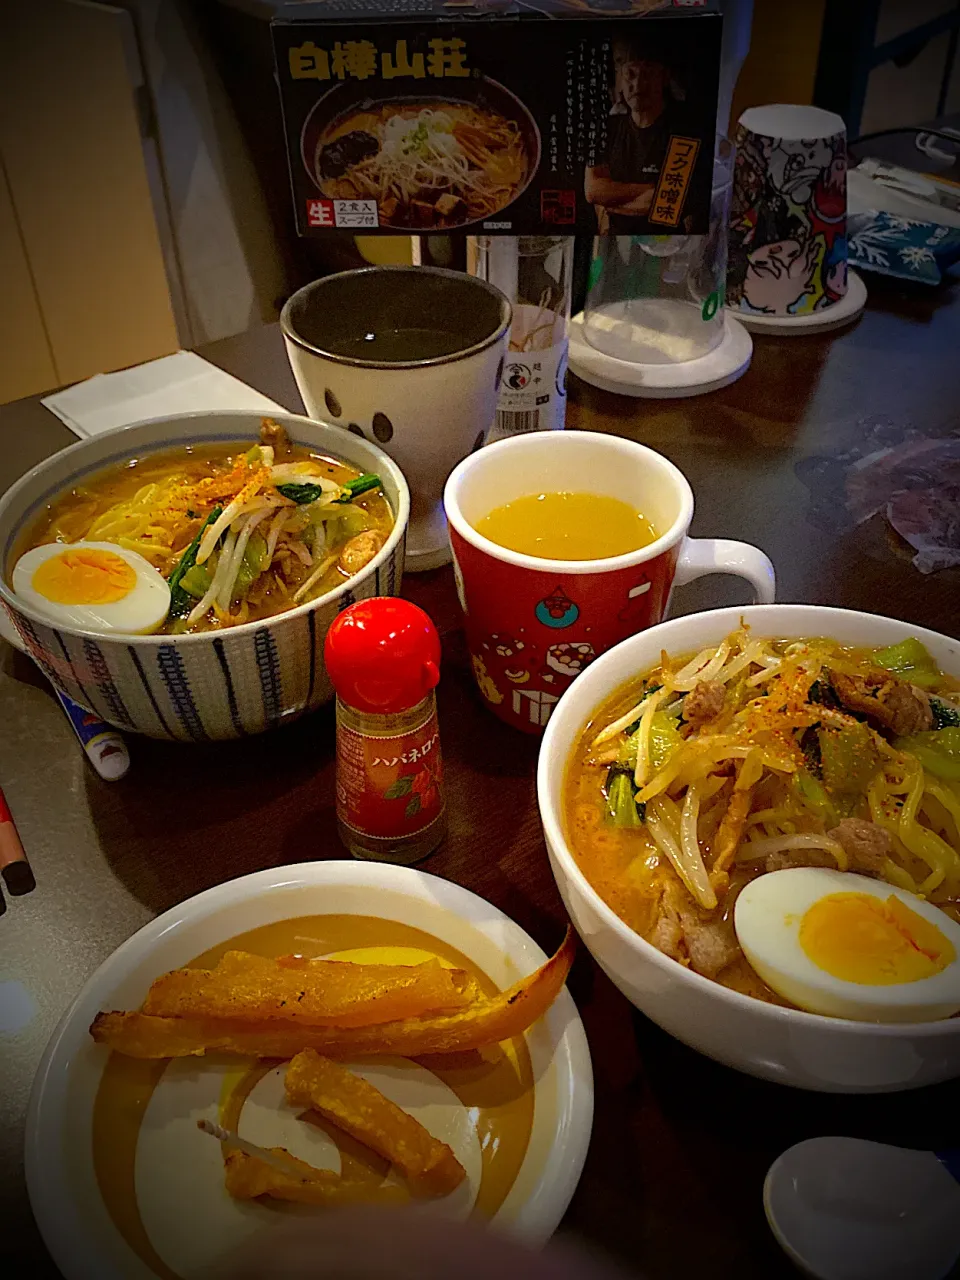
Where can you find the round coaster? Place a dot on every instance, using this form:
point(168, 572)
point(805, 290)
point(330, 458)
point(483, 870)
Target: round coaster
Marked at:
point(719, 367)
point(843, 312)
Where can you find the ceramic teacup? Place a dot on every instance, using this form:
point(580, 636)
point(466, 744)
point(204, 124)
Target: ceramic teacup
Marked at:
point(411, 359)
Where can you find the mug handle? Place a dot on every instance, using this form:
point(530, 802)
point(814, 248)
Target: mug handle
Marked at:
point(699, 556)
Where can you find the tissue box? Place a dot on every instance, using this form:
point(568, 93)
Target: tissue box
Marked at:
point(511, 117)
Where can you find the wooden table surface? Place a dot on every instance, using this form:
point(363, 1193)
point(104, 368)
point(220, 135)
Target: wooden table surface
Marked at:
point(672, 1184)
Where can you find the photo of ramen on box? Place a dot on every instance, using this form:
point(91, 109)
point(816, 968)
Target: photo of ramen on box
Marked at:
point(432, 162)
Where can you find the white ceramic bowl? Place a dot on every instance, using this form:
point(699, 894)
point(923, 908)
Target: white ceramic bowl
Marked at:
point(59, 1152)
point(212, 685)
point(786, 1045)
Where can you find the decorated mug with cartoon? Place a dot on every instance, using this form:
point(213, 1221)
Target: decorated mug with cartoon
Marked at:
point(788, 218)
point(532, 623)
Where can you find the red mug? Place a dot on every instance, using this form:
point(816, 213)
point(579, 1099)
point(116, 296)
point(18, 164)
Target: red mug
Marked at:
point(533, 624)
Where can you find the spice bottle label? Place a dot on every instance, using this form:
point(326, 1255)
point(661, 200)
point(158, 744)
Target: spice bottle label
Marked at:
point(532, 395)
point(390, 786)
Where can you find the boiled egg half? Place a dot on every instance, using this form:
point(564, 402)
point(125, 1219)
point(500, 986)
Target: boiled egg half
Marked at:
point(848, 946)
point(95, 586)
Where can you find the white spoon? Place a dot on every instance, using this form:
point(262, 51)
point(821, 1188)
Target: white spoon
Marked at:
point(844, 1209)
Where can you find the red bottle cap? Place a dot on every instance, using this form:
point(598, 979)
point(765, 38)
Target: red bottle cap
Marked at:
point(383, 655)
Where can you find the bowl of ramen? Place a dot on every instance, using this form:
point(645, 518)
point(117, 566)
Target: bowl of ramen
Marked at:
point(430, 161)
point(177, 577)
point(753, 817)
point(289, 1013)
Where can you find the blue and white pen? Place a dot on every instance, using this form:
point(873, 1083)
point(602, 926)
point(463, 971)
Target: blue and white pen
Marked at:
point(105, 748)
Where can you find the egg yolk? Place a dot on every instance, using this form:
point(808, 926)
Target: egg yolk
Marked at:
point(876, 942)
point(83, 576)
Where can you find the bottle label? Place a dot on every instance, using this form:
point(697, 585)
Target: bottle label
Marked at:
point(532, 393)
point(390, 787)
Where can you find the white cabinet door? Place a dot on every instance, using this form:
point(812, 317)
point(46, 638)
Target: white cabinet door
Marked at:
point(71, 147)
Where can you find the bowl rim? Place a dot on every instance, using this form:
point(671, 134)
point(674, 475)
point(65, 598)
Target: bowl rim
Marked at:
point(397, 534)
point(48, 1184)
point(562, 854)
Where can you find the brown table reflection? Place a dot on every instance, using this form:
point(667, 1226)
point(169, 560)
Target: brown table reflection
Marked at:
point(680, 1145)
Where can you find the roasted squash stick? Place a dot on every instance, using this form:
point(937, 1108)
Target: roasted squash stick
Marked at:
point(360, 1109)
point(315, 992)
point(247, 1178)
point(487, 1021)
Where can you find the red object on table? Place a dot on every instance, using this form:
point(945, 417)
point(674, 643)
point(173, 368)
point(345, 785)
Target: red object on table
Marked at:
point(531, 632)
point(383, 657)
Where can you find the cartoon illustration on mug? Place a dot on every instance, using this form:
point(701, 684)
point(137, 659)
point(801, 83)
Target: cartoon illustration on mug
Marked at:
point(484, 683)
point(637, 608)
point(513, 660)
point(795, 167)
point(828, 209)
point(835, 271)
point(565, 661)
point(781, 276)
point(788, 249)
point(557, 610)
point(537, 703)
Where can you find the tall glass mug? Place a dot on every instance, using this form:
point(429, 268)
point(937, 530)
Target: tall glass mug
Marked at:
point(410, 358)
point(533, 623)
point(659, 299)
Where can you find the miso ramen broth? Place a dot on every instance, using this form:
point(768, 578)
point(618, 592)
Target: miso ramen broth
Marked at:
point(711, 771)
point(241, 533)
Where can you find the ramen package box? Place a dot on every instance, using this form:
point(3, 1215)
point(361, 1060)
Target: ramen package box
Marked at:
point(500, 116)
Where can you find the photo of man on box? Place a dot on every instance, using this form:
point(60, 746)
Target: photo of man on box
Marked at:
point(647, 109)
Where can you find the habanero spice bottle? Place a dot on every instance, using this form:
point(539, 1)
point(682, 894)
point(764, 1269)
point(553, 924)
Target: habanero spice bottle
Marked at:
point(383, 657)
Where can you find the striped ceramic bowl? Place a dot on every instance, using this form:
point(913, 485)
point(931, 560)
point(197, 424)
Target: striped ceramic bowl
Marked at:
point(216, 685)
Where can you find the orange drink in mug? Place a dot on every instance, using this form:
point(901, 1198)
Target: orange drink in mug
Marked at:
point(563, 545)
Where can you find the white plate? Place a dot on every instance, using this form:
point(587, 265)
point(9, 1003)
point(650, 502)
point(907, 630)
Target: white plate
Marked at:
point(64, 1192)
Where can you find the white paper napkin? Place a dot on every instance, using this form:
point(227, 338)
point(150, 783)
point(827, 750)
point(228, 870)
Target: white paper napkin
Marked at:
point(181, 383)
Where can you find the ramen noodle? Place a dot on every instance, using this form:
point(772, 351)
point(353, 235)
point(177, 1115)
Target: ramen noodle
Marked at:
point(441, 165)
point(239, 533)
point(758, 755)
